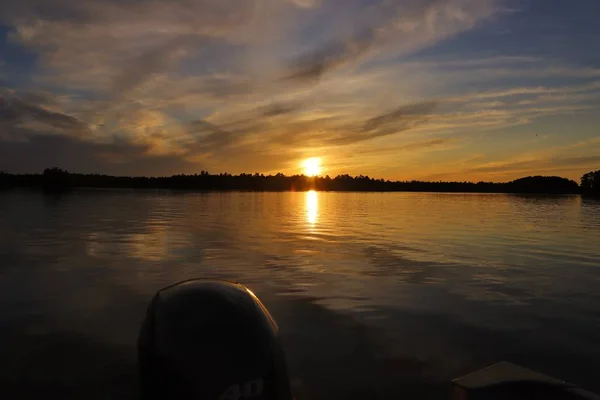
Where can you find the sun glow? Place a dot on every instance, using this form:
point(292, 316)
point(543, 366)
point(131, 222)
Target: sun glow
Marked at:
point(312, 166)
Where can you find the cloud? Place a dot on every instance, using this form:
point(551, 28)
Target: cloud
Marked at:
point(116, 45)
point(395, 28)
point(421, 145)
point(139, 48)
point(261, 138)
point(17, 112)
point(313, 65)
point(151, 62)
point(209, 136)
point(507, 66)
point(492, 61)
point(504, 108)
point(76, 155)
point(113, 48)
point(550, 164)
point(260, 83)
point(155, 130)
point(402, 114)
point(566, 160)
point(297, 129)
point(277, 109)
point(399, 120)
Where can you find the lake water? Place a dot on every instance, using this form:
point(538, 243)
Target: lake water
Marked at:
point(378, 295)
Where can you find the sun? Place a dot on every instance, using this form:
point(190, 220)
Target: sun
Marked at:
point(312, 166)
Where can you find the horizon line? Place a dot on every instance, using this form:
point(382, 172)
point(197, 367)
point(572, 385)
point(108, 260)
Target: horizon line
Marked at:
point(282, 175)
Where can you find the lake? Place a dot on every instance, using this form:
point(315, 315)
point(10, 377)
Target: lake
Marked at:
point(378, 295)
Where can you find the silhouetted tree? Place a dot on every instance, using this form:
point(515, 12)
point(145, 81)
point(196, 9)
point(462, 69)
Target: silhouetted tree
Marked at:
point(56, 179)
point(590, 183)
point(4, 180)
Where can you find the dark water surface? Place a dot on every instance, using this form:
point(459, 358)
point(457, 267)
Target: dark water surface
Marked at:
point(378, 295)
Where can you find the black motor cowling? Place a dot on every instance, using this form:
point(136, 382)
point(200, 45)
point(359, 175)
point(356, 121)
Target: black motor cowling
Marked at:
point(205, 339)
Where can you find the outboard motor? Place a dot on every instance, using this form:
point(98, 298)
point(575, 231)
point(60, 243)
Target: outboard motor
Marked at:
point(210, 340)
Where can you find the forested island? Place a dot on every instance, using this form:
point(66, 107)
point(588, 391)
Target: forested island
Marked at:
point(590, 184)
point(55, 179)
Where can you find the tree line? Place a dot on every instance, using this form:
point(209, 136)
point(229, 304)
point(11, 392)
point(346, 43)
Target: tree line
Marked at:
point(56, 179)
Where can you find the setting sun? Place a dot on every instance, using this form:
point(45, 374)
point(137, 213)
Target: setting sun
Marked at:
point(312, 166)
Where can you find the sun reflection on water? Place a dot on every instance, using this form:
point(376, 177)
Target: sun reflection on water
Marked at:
point(312, 207)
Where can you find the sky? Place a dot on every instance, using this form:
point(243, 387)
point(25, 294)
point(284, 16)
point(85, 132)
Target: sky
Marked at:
point(400, 89)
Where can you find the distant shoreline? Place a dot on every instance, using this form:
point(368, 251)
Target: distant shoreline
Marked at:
point(37, 189)
point(58, 180)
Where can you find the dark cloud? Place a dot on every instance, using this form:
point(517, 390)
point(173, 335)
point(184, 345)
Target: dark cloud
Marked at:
point(209, 136)
point(426, 143)
point(221, 87)
point(417, 145)
point(554, 163)
point(227, 136)
point(57, 9)
point(401, 119)
point(578, 160)
point(114, 46)
point(141, 68)
point(7, 113)
point(86, 11)
point(402, 115)
point(200, 91)
point(16, 110)
point(376, 24)
point(313, 65)
point(317, 132)
point(38, 98)
point(509, 166)
point(226, 151)
point(116, 157)
point(277, 109)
